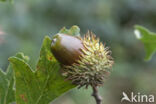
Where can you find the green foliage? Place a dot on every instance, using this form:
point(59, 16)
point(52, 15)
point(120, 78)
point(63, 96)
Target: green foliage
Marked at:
point(74, 30)
point(7, 82)
point(6, 86)
point(45, 83)
point(148, 39)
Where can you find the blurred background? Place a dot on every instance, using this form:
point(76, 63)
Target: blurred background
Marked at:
point(24, 23)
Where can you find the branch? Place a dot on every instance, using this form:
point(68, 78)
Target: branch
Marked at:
point(96, 95)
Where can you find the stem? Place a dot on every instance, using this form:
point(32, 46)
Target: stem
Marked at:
point(96, 95)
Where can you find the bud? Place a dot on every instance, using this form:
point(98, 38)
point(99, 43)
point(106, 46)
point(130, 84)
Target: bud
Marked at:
point(85, 61)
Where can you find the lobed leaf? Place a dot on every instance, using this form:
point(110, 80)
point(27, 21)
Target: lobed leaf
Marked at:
point(43, 85)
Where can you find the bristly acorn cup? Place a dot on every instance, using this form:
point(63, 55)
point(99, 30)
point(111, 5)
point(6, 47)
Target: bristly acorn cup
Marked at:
point(86, 61)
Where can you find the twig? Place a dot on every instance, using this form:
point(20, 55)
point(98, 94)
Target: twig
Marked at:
point(96, 95)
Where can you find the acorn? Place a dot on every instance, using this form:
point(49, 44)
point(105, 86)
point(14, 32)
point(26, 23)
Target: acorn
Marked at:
point(85, 60)
point(66, 48)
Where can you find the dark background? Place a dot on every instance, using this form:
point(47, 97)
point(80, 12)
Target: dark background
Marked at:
point(24, 23)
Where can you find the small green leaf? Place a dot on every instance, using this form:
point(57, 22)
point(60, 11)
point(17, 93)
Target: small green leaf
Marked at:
point(148, 39)
point(43, 85)
point(7, 93)
point(74, 30)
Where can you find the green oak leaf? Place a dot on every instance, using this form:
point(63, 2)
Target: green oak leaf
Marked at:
point(42, 85)
point(148, 39)
point(7, 92)
point(74, 30)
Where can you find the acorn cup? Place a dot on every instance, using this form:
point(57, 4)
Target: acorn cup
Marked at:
point(86, 61)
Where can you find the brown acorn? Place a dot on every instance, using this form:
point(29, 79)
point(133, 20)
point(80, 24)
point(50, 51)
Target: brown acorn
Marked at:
point(85, 61)
point(66, 48)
